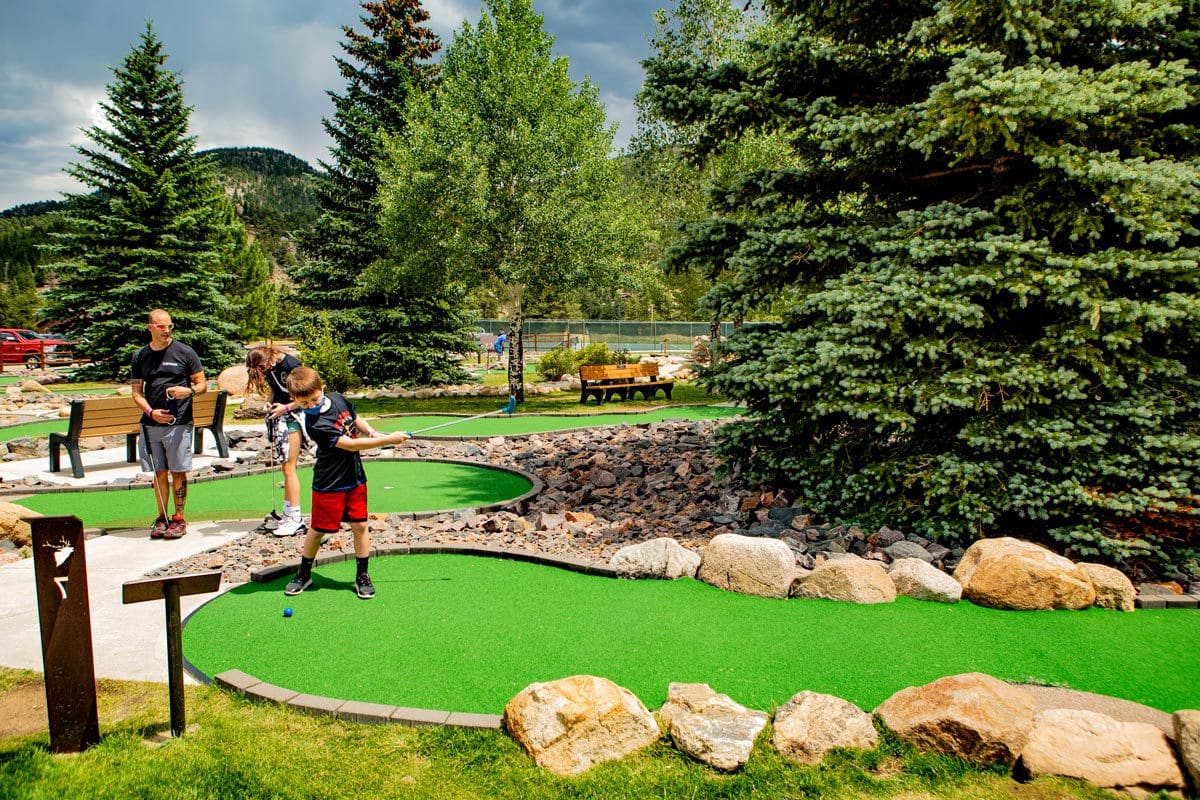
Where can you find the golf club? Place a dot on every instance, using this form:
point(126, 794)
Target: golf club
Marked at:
point(508, 409)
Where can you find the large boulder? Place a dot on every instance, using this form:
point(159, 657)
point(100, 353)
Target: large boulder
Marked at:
point(916, 578)
point(1113, 589)
point(1187, 739)
point(710, 727)
point(573, 724)
point(851, 580)
point(748, 564)
point(1013, 574)
point(233, 380)
point(974, 716)
point(811, 724)
point(657, 558)
point(11, 526)
point(1132, 757)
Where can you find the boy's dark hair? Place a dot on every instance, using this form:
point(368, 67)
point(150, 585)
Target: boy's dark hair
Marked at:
point(304, 381)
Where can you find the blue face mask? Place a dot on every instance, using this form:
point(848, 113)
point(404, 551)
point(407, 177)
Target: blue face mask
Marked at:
point(315, 411)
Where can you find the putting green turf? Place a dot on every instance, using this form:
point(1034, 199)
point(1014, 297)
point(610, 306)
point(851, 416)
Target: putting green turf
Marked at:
point(34, 429)
point(466, 633)
point(394, 486)
point(504, 425)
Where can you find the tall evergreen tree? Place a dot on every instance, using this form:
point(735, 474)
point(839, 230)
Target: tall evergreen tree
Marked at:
point(252, 294)
point(150, 234)
point(503, 180)
point(19, 299)
point(404, 334)
point(986, 265)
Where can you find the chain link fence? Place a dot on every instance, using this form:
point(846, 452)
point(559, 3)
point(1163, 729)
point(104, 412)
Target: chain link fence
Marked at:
point(636, 336)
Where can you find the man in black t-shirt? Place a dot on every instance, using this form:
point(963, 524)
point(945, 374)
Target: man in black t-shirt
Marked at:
point(339, 481)
point(166, 375)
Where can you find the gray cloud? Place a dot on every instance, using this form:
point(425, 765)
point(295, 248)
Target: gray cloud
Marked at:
point(256, 72)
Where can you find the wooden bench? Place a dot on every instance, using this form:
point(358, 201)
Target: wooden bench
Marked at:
point(622, 380)
point(113, 416)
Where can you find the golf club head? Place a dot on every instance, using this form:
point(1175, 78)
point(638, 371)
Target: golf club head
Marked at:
point(512, 405)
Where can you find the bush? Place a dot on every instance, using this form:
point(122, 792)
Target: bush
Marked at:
point(556, 363)
point(593, 355)
point(323, 350)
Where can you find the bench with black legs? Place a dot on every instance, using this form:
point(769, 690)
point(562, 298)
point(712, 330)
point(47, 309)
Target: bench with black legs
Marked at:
point(114, 416)
point(607, 381)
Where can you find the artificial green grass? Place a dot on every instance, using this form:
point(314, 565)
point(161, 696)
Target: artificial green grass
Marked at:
point(467, 633)
point(504, 425)
point(33, 429)
point(393, 486)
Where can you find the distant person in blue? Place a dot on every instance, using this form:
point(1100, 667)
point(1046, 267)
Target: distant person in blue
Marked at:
point(498, 346)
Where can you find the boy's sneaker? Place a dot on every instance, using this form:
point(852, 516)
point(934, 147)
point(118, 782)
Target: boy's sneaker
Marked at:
point(363, 586)
point(176, 528)
point(290, 527)
point(298, 584)
point(159, 529)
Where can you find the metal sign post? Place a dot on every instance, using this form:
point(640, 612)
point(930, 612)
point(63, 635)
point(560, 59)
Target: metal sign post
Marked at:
point(60, 573)
point(170, 590)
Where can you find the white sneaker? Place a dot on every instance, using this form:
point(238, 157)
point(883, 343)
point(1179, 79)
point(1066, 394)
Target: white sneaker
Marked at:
point(290, 527)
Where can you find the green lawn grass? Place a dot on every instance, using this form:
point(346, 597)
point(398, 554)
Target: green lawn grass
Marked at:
point(236, 749)
point(33, 429)
point(468, 633)
point(394, 486)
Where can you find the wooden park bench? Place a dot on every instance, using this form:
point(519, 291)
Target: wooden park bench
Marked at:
point(622, 380)
point(112, 416)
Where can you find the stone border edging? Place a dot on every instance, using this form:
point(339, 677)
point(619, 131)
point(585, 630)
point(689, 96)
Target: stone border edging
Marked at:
point(259, 691)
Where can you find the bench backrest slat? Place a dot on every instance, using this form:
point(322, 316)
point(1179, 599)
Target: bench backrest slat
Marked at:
point(602, 372)
point(109, 416)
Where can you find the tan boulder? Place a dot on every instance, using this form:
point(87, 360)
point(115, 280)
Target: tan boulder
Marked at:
point(658, 558)
point(1187, 739)
point(1132, 757)
point(570, 725)
point(1113, 589)
point(32, 386)
point(811, 724)
point(11, 526)
point(850, 580)
point(234, 380)
point(921, 580)
point(1013, 574)
point(748, 564)
point(710, 727)
point(974, 716)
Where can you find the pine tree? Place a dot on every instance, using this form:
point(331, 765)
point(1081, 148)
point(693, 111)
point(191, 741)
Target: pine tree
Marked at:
point(19, 301)
point(985, 264)
point(252, 294)
point(150, 233)
point(405, 334)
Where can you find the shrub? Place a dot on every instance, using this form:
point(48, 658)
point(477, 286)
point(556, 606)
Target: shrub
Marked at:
point(556, 363)
point(323, 350)
point(593, 355)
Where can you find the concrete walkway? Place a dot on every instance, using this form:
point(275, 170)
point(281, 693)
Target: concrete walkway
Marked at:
point(128, 642)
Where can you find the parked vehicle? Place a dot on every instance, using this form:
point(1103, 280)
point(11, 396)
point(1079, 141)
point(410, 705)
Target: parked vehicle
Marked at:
point(19, 345)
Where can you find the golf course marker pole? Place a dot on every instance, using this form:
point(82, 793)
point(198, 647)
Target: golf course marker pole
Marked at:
point(171, 589)
point(508, 409)
point(60, 574)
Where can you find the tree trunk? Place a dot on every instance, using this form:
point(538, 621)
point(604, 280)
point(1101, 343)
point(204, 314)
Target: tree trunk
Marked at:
point(516, 358)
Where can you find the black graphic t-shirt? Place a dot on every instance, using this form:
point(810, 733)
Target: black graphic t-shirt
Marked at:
point(277, 377)
point(158, 370)
point(336, 470)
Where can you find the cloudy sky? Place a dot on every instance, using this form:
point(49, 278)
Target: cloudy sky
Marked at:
point(255, 71)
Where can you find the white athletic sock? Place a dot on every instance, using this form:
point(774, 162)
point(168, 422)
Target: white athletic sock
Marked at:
point(290, 511)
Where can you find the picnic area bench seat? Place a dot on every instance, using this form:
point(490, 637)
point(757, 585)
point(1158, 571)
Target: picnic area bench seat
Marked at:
point(622, 380)
point(112, 416)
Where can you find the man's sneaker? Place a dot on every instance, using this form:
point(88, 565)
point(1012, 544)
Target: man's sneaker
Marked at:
point(176, 528)
point(159, 529)
point(298, 584)
point(363, 586)
point(290, 527)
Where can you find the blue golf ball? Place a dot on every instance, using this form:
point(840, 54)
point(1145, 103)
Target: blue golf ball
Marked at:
point(287, 612)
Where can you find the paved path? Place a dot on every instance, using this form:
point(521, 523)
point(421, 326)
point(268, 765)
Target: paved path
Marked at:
point(128, 642)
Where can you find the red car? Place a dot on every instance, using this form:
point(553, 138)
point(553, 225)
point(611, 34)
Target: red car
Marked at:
point(19, 345)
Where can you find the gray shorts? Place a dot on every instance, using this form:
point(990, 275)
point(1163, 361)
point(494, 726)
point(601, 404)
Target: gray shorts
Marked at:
point(170, 445)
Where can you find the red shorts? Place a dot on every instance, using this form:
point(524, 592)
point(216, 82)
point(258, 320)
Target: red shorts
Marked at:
point(331, 509)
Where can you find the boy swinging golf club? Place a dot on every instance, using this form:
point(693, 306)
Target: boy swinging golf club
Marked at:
point(339, 481)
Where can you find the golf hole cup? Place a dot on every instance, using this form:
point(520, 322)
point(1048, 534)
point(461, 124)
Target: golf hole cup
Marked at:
point(287, 612)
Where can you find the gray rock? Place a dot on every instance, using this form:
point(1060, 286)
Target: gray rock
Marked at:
point(809, 725)
point(710, 727)
point(906, 549)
